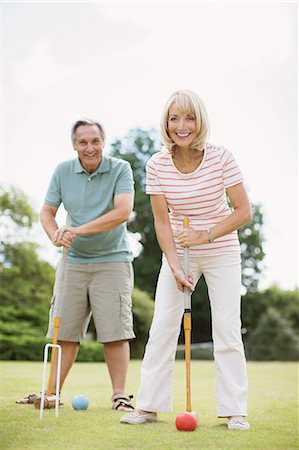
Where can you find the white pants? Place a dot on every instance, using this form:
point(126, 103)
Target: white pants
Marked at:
point(223, 277)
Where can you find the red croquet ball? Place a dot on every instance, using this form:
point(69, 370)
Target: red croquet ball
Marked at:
point(185, 422)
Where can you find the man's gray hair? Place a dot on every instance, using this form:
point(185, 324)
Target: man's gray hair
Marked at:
point(83, 122)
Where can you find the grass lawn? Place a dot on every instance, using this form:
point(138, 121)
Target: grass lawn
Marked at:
point(272, 411)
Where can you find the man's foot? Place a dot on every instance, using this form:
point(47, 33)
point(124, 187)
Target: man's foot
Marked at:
point(29, 400)
point(138, 417)
point(122, 402)
point(237, 423)
point(49, 401)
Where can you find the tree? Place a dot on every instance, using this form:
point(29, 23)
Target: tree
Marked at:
point(26, 281)
point(26, 290)
point(15, 207)
point(286, 302)
point(256, 304)
point(136, 148)
point(251, 239)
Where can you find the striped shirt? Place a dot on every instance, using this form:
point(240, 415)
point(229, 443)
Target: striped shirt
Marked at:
point(199, 195)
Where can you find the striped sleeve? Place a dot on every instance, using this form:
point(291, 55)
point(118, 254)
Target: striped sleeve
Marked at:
point(231, 172)
point(153, 185)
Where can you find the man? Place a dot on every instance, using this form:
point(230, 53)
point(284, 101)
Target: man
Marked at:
point(97, 192)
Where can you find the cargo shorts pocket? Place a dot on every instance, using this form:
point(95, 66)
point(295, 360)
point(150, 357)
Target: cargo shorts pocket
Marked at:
point(126, 316)
point(51, 310)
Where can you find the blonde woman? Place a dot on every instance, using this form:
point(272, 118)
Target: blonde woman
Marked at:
point(191, 178)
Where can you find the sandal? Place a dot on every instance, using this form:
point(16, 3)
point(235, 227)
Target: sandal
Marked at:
point(29, 400)
point(49, 401)
point(121, 402)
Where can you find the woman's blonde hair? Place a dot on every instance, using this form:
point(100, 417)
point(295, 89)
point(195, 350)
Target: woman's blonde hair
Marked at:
point(187, 102)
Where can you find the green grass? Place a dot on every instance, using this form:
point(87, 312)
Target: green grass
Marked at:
point(272, 411)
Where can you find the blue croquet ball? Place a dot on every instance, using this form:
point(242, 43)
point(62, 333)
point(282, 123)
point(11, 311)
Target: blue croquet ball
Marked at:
point(80, 402)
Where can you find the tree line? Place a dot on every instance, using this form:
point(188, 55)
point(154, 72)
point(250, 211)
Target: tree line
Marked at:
point(270, 317)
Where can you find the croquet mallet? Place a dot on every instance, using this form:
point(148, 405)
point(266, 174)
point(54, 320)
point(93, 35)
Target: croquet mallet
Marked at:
point(56, 348)
point(187, 326)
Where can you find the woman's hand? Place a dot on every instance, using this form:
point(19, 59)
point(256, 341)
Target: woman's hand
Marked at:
point(64, 236)
point(189, 237)
point(182, 281)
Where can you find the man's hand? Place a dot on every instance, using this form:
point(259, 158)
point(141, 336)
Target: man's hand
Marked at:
point(64, 236)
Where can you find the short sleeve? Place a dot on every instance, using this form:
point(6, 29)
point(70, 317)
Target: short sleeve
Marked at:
point(153, 185)
point(53, 196)
point(125, 180)
point(231, 172)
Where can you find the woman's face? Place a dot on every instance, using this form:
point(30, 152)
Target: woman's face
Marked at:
point(181, 126)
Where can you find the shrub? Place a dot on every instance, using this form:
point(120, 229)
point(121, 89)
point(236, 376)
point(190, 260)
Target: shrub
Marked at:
point(197, 353)
point(20, 340)
point(22, 347)
point(91, 351)
point(143, 310)
point(273, 339)
point(30, 347)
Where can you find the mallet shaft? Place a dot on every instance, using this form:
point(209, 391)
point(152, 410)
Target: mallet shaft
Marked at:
point(187, 324)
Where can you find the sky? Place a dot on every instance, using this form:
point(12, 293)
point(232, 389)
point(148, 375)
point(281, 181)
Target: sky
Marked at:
point(118, 62)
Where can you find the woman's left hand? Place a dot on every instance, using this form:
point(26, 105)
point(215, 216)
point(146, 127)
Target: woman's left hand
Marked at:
point(189, 237)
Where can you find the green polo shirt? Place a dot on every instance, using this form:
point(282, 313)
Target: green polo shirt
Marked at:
point(86, 197)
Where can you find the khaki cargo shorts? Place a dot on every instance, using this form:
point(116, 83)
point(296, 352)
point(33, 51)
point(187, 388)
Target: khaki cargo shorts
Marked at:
point(102, 290)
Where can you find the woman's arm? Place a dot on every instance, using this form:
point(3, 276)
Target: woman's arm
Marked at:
point(166, 241)
point(241, 215)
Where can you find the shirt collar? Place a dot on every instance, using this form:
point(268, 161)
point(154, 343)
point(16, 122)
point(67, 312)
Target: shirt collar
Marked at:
point(102, 168)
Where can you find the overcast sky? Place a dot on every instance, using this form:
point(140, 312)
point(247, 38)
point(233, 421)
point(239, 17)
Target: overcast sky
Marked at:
point(118, 62)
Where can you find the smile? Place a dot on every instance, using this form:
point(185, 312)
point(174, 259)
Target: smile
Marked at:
point(183, 134)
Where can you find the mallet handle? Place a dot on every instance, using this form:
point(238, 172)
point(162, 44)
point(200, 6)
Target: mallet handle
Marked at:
point(187, 296)
point(187, 324)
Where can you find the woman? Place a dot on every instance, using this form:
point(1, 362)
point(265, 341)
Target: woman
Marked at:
point(191, 178)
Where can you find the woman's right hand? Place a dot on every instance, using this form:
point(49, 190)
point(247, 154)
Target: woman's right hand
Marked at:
point(182, 281)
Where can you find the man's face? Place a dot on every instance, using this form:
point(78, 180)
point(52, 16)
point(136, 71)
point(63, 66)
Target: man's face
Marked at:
point(89, 145)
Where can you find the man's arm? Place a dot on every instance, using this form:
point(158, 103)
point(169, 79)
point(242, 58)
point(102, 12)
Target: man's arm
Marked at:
point(123, 207)
point(48, 221)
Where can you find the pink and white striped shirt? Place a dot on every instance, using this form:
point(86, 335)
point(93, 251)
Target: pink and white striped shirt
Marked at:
point(199, 195)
